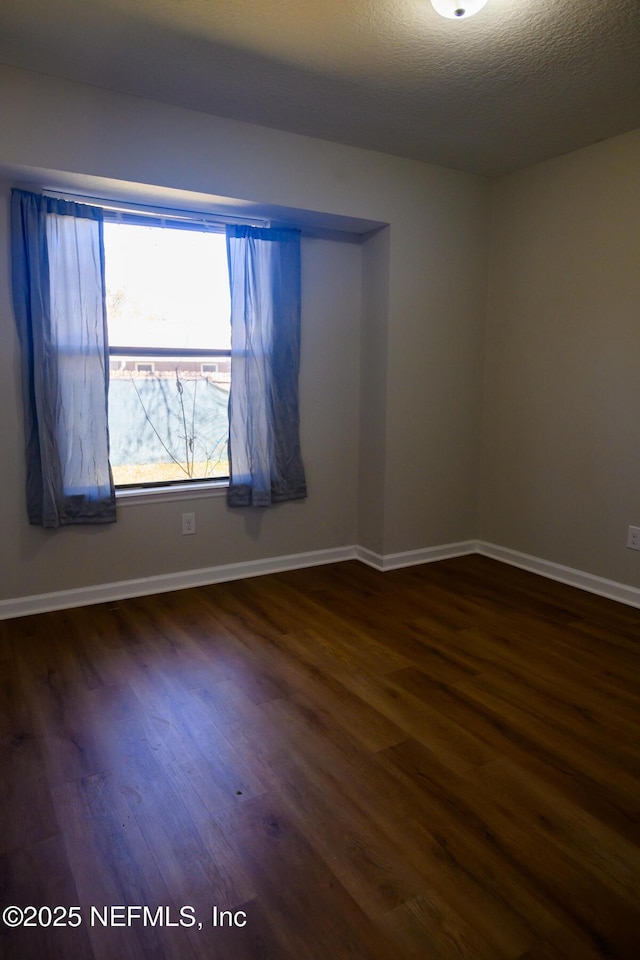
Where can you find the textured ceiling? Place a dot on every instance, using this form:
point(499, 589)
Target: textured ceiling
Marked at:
point(523, 81)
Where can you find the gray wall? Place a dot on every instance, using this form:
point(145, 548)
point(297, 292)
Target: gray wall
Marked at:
point(147, 538)
point(561, 437)
point(400, 340)
point(416, 335)
point(373, 390)
point(434, 364)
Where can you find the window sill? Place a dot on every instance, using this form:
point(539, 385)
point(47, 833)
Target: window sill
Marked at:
point(191, 491)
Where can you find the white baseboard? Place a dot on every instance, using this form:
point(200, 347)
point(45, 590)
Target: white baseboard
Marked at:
point(611, 589)
point(124, 589)
point(410, 558)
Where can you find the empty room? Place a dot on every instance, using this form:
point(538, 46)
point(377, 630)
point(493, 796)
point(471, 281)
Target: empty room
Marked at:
point(320, 473)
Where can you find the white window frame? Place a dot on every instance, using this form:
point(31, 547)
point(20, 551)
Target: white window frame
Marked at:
point(176, 489)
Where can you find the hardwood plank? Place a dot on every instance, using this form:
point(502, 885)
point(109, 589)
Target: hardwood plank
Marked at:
point(393, 805)
point(314, 677)
point(611, 790)
point(562, 944)
point(39, 874)
point(596, 848)
point(437, 762)
point(580, 900)
point(312, 913)
point(112, 865)
point(427, 926)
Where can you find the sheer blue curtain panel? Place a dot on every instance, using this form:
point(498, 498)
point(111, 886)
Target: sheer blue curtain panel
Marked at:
point(59, 303)
point(265, 461)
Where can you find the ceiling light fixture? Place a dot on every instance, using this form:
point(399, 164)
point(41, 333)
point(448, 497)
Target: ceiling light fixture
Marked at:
point(457, 9)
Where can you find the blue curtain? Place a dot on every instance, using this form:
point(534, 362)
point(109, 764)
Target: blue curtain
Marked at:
point(265, 463)
point(59, 302)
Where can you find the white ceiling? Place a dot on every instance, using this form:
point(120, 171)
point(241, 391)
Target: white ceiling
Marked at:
point(522, 81)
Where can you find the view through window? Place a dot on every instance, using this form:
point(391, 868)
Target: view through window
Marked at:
point(170, 358)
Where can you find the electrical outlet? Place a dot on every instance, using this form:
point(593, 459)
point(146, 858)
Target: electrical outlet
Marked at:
point(189, 523)
point(633, 538)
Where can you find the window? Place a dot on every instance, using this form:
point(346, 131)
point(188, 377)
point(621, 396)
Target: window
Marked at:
point(170, 309)
point(167, 292)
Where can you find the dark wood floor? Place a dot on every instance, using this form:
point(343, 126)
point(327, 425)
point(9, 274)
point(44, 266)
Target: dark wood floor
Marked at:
point(440, 762)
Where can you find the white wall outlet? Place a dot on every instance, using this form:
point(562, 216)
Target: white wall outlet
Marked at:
point(189, 523)
point(633, 538)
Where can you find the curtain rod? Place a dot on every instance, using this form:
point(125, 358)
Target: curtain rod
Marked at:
point(124, 206)
point(188, 216)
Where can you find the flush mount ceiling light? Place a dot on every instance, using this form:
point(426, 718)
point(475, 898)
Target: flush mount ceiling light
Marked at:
point(457, 9)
